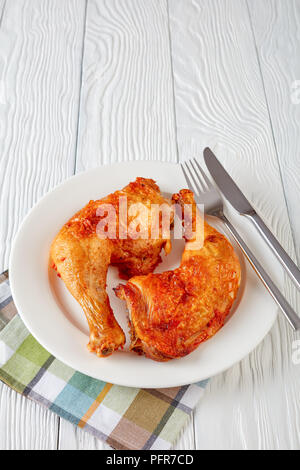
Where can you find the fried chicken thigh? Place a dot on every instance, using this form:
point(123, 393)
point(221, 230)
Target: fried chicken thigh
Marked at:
point(172, 313)
point(81, 257)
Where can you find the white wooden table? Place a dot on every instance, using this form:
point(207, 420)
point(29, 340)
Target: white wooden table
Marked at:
point(86, 82)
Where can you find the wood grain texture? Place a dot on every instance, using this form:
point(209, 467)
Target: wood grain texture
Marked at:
point(276, 32)
point(220, 102)
point(276, 27)
point(127, 95)
point(127, 109)
point(40, 57)
point(25, 425)
point(2, 6)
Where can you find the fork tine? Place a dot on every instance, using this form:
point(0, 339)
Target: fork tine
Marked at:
point(200, 181)
point(187, 173)
point(197, 181)
point(207, 181)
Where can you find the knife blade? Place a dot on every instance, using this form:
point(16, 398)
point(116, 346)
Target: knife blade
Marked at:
point(237, 199)
point(226, 184)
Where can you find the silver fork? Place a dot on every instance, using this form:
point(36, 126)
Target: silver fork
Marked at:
point(207, 194)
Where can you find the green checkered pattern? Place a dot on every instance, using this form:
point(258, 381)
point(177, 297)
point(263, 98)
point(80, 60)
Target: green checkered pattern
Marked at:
point(125, 418)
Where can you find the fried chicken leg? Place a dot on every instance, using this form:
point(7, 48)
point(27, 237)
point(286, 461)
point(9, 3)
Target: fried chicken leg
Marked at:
point(173, 312)
point(81, 258)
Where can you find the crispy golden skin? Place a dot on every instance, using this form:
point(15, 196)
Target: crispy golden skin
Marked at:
point(173, 312)
point(81, 259)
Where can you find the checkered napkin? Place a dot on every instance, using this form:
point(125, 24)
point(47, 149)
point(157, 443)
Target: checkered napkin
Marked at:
point(125, 418)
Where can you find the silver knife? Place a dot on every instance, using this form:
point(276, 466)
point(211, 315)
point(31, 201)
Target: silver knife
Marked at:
point(236, 198)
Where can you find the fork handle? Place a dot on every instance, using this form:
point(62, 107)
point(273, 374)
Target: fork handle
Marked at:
point(282, 303)
point(277, 249)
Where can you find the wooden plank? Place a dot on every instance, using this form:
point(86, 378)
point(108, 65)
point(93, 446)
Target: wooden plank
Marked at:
point(126, 108)
point(40, 59)
point(276, 30)
point(127, 101)
point(275, 26)
point(220, 102)
point(24, 425)
point(2, 6)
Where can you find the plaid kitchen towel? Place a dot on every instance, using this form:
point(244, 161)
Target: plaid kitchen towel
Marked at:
point(123, 417)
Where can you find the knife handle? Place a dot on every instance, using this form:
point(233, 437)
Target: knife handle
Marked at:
point(282, 303)
point(288, 264)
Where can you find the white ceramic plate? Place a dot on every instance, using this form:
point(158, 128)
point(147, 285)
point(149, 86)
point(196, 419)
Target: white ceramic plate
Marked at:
point(57, 322)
